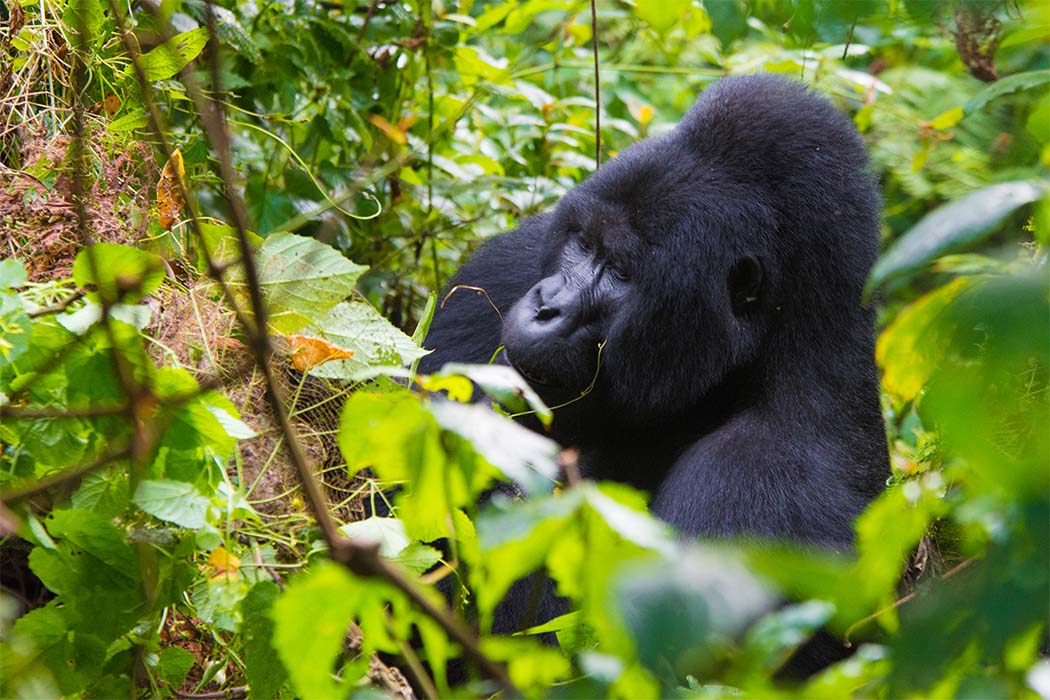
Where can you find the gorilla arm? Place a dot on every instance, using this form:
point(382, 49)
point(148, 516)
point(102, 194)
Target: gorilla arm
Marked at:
point(746, 479)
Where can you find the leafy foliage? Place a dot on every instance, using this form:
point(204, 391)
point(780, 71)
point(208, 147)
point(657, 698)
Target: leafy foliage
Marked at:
point(171, 549)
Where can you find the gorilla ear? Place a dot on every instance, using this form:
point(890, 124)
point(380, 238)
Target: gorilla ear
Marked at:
point(745, 285)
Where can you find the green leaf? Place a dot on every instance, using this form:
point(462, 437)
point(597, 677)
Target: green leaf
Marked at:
point(400, 439)
point(388, 533)
point(16, 328)
point(266, 674)
point(119, 272)
point(776, 636)
point(86, 16)
point(663, 15)
point(92, 533)
point(105, 493)
point(913, 345)
point(12, 274)
point(1020, 81)
point(133, 120)
point(74, 659)
point(682, 613)
point(164, 61)
point(523, 456)
point(173, 664)
point(173, 501)
point(302, 278)
point(311, 620)
point(951, 227)
point(356, 326)
point(504, 385)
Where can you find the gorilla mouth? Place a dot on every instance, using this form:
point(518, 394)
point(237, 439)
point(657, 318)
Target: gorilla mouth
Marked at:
point(533, 377)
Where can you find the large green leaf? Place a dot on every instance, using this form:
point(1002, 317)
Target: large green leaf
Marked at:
point(311, 620)
point(355, 325)
point(302, 279)
point(522, 455)
point(952, 227)
point(174, 501)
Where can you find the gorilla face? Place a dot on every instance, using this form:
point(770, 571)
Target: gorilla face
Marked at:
point(662, 262)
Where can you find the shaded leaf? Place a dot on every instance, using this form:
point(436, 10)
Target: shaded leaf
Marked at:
point(951, 227)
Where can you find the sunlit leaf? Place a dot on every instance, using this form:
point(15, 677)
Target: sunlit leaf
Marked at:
point(164, 61)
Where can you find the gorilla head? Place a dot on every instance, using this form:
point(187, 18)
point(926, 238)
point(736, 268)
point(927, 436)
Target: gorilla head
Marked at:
point(732, 249)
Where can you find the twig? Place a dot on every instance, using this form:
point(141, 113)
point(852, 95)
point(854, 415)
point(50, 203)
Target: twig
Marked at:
point(62, 477)
point(56, 308)
point(361, 559)
point(240, 691)
point(479, 290)
point(597, 89)
point(896, 604)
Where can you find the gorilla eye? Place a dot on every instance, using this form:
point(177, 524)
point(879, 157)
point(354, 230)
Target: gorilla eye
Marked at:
point(622, 273)
point(584, 244)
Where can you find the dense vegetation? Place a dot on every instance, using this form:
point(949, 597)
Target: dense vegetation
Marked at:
point(224, 227)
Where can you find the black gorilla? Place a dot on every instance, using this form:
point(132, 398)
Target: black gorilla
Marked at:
point(721, 266)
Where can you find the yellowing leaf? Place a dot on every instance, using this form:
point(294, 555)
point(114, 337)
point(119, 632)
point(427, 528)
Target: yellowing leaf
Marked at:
point(459, 388)
point(392, 132)
point(948, 119)
point(645, 114)
point(225, 564)
point(308, 352)
point(911, 348)
point(169, 191)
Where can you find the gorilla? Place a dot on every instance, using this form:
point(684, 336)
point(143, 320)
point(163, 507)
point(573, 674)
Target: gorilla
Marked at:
point(702, 292)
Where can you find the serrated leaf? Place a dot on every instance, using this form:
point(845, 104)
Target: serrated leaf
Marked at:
point(172, 501)
point(302, 279)
point(134, 119)
point(955, 225)
point(357, 327)
point(173, 663)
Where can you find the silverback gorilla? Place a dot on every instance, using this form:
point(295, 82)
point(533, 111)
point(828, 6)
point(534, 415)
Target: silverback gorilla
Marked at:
point(720, 266)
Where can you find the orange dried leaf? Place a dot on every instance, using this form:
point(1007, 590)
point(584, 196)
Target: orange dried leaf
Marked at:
point(308, 352)
point(392, 132)
point(169, 191)
point(111, 104)
point(226, 565)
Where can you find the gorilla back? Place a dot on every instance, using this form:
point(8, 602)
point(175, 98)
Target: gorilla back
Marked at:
point(720, 266)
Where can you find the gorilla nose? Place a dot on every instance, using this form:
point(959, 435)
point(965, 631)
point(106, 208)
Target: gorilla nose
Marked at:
point(545, 313)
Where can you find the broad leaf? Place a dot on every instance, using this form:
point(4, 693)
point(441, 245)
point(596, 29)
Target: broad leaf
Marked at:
point(1021, 81)
point(952, 227)
point(302, 279)
point(174, 501)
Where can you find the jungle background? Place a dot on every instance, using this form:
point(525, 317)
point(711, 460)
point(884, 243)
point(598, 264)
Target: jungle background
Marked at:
point(224, 229)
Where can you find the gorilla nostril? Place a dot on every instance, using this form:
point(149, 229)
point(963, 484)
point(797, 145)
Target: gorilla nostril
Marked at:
point(545, 313)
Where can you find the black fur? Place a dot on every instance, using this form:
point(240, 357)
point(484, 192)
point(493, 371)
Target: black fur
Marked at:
point(737, 383)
